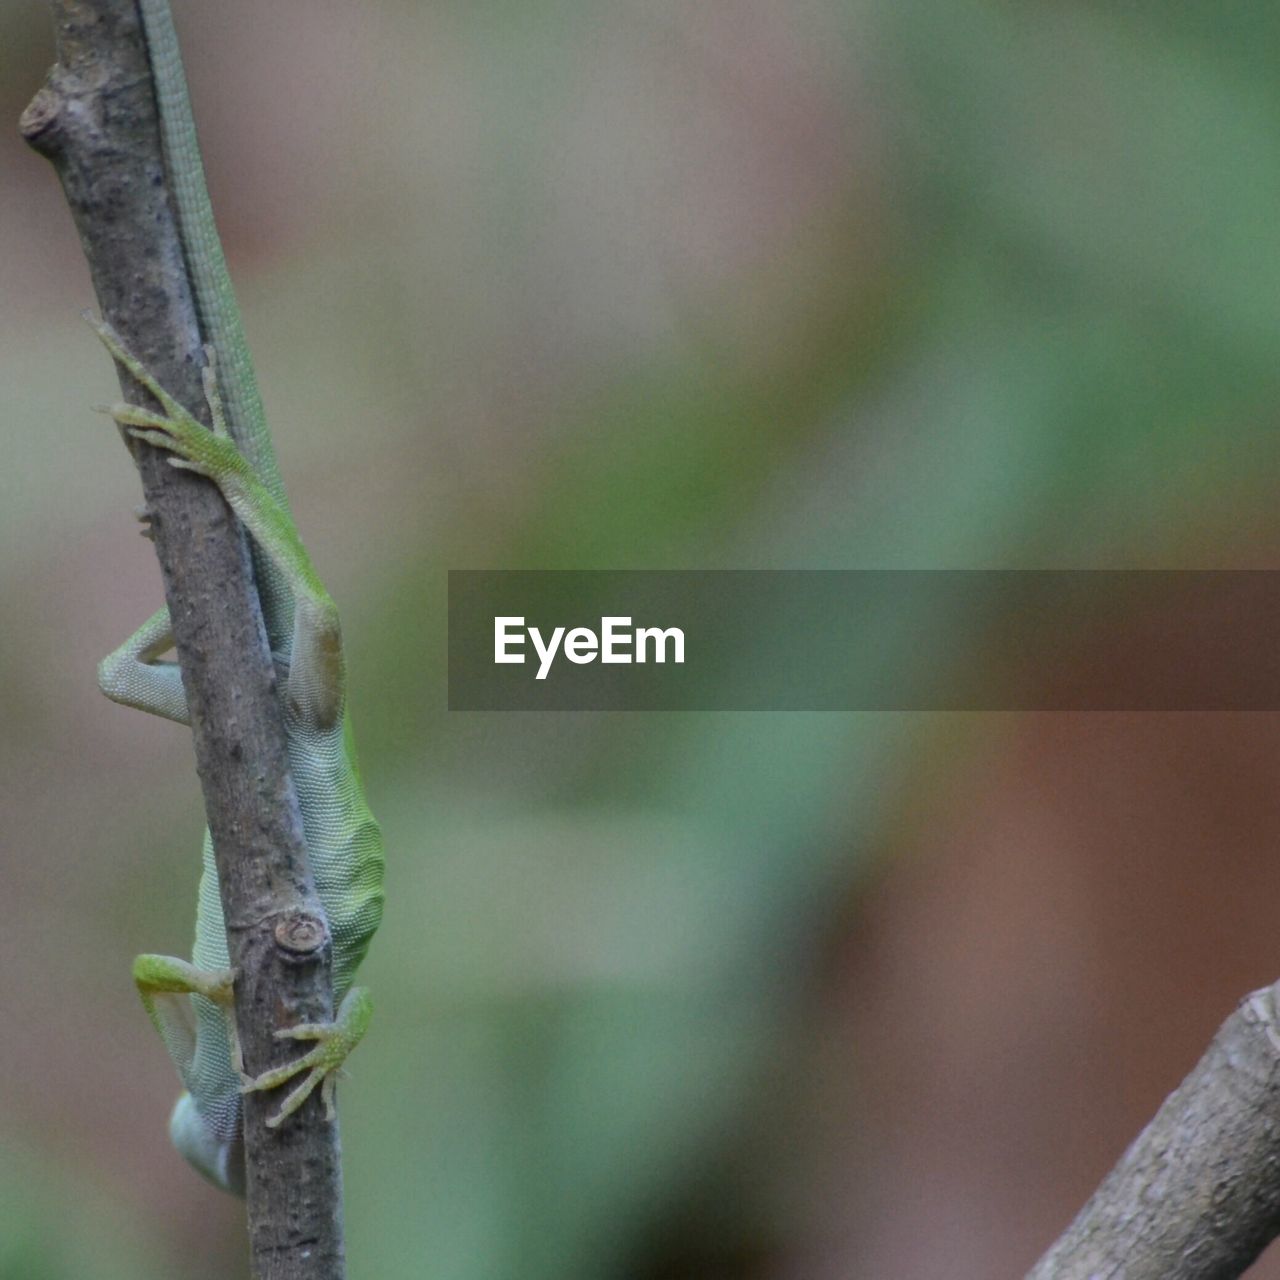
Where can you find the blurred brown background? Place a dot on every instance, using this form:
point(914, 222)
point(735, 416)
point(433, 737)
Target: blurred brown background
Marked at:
point(638, 283)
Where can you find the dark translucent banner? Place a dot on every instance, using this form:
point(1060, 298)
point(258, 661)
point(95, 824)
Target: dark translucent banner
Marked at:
point(864, 640)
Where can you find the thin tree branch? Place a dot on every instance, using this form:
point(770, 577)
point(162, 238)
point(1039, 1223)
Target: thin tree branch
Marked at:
point(1197, 1195)
point(95, 119)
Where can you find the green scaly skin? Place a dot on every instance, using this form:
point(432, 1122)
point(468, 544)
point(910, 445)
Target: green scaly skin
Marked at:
point(192, 1004)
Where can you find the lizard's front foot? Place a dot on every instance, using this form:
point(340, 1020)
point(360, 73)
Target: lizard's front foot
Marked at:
point(334, 1042)
point(192, 446)
point(207, 453)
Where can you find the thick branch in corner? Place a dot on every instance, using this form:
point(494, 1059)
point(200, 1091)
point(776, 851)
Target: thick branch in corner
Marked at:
point(95, 119)
point(1197, 1195)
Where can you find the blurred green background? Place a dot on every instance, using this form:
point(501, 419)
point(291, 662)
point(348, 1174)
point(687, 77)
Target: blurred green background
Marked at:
point(650, 284)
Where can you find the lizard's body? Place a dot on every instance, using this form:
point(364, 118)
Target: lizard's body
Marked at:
point(190, 1004)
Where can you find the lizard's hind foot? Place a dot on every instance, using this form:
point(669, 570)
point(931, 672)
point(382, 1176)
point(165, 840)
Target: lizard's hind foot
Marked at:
point(334, 1043)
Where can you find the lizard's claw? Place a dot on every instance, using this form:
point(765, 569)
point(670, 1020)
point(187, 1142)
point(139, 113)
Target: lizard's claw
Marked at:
point(334, 1041)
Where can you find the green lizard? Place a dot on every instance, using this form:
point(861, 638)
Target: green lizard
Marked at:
point(191, 1004)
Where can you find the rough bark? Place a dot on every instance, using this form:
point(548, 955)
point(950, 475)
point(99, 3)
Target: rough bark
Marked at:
point(95, 119)
point(1197, 1195)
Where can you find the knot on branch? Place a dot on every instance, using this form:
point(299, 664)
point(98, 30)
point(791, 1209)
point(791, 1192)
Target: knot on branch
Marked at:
point(39, 123)
point(301, 936)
